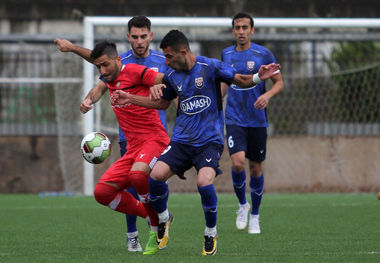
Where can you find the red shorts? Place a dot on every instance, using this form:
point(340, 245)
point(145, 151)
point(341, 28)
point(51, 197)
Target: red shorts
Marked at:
point(147, 151)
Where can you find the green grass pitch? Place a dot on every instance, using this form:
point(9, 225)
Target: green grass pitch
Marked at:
point(295, 228)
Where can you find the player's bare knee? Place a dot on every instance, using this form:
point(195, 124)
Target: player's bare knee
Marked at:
point(156, 176)
point(204, 180)
point(238, 166)
point(201, 183)
point(256, 170)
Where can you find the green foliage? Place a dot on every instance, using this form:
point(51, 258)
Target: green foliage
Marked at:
point(356, 73)
point(353, 55)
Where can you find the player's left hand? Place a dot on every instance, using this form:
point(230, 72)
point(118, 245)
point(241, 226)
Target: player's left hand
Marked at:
point(267, 71)
point(261, 102)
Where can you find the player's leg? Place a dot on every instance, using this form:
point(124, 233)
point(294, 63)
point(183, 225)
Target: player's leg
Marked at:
point(206, 161)
point(146, 158)
point(133, 241)
point(256, 154)
point(209, 200)
point(140, 181)
point(108, 191)
point(131, 219)
point(110, 194)
point(141, 184)
point(174, 160)
point(256, 185)
point(237, 145)
point(159, 195)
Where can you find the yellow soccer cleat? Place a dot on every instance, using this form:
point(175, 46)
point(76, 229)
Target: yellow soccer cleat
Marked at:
point(209, 247)
point(163, 232)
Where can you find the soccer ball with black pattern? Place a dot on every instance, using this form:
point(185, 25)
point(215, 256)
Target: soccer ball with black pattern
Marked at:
point(95, 147)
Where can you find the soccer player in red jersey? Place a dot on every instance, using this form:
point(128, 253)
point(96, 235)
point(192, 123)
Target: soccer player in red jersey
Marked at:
point(146, 137)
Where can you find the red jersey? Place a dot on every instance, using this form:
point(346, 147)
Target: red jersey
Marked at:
point(138, 123)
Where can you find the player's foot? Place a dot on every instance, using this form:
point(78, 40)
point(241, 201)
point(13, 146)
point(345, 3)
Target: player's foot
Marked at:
point(254, 225)
point(242, 216)
point(163, 232)
point(151, 247)
point(209, 247)
point(133, 244)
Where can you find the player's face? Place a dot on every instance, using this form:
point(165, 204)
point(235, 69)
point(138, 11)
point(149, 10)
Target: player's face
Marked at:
point(174, 59)
point(242, 31)
point(140, 38)
point(109, 68)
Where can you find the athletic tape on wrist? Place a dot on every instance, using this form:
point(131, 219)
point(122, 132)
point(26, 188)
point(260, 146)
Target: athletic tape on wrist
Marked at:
point(256, 79)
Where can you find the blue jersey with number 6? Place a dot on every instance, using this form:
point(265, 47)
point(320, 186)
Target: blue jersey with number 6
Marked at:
point(239, 109)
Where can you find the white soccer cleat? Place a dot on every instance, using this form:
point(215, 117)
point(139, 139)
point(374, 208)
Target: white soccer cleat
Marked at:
point(134, 244)
point(242, 216)
point(254, 225)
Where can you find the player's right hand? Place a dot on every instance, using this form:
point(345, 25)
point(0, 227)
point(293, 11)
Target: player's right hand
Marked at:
point(119, 97)
point(63, 45)
point(86, 105)
point(156, 91)
point(267, 71)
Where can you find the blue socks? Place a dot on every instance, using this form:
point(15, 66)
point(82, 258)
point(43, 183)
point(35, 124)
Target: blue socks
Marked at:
point(238, 181)
point(256, 187)
point(158, 195)
point(131, 219)
point(209, 203)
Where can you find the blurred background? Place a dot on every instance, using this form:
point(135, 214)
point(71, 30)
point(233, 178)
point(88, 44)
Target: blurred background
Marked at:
point(324, 133)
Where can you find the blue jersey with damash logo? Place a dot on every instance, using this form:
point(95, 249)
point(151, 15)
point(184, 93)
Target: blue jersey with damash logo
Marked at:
point(156, 61)
point(200, 112)
point(239, 109)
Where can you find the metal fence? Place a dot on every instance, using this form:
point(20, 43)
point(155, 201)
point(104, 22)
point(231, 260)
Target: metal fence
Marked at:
point(327, 116)
point(27, 94)
point(316, 100)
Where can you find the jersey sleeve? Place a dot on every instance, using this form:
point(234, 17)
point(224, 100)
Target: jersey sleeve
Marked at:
point(222, 55)
point(224, 72)
point(169, 92)
point(269, 58)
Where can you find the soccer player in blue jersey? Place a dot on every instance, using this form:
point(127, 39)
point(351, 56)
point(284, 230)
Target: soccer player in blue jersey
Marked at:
point(139, 36)
point(246, 119)
point(198, 134)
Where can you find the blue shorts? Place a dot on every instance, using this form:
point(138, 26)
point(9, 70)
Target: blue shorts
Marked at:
point(253, 141)
point(181, 157)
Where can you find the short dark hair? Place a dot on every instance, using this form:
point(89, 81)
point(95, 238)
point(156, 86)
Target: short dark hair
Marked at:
point(242, 15)
point(139, 22)
point(104, 47)
point(176, 40)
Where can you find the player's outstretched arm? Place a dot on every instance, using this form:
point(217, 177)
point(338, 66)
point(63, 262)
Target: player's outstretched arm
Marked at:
point(265, 72)
point(65, 45)
point(120, 97)
point(93, 96)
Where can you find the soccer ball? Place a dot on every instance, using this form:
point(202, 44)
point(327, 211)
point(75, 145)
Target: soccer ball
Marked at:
point(95, 147)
